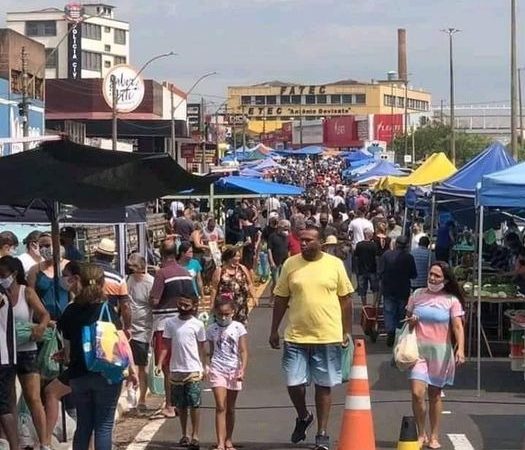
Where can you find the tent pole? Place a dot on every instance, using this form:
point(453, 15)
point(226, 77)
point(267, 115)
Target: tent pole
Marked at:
point(474, 277)
point(212, 198)
point(480, 262)
point(432, 226)
point(405, 218)
point(120, 231)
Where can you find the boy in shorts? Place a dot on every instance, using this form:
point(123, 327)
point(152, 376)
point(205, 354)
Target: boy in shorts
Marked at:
point(186, 337)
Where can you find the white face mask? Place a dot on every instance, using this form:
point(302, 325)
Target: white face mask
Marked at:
point(46, 253)
point(435, 287)
point(7, 282)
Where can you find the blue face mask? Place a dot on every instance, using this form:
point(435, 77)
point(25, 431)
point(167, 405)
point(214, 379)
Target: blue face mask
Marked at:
point(224, 321)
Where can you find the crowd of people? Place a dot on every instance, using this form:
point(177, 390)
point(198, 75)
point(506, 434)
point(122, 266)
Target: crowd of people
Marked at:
point(309, 247)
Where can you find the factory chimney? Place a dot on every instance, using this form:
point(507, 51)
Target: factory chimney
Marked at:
point(402, 54)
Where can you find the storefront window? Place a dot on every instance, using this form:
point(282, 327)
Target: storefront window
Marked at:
point(296, 99)
point(310, 99)
point(321, 99)
point(335, 99)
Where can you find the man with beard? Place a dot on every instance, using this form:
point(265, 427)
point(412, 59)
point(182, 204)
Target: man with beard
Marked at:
point(314, 288)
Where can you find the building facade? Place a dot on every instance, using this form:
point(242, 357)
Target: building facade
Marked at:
point(80, 41)
point(284, 101)
point(12, 87)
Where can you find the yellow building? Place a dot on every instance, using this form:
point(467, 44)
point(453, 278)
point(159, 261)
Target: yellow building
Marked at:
point(276, 100)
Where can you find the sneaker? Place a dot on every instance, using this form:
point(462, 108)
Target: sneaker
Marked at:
point(322, 442)
point(301, 426)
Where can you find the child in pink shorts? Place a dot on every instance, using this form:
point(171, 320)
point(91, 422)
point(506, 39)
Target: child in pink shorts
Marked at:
point(229, 358)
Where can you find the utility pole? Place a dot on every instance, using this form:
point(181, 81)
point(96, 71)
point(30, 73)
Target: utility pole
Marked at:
point(243, 132)
point(25, 102)
point(173, 149)
point(217, 156)
point(301, 126)
point(114, 100)
point(441, 112)
point(451, 32)
point(520, 106)
point(406, 117)
point(234, 132)
point(203, 134)
point(513, 72)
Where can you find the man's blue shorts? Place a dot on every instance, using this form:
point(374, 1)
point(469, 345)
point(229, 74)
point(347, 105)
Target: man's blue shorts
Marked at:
point(320, 363)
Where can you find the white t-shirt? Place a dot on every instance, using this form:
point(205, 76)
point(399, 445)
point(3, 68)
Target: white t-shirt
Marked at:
point(176, 206)
point(272, 204)
point(358, 227)
point(415, 240)
point(338, 200)
point(27, 261)
point(226, 355)
point(185, 336)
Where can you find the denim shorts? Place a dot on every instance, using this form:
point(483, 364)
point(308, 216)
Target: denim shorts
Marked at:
point(320, 363)
point(27, 362)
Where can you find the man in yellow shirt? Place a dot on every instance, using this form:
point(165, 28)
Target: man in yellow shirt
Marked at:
point(314, 288)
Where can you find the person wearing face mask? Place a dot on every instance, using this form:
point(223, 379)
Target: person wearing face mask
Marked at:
point(8, 243)
point(41, 279)
point(185, 335)
point(326, 229)
point(27, 308)
point(228, 350)
point(32, 254)
point(437, 313)
point(278, 252)
point(59, 387)
point(315, 291)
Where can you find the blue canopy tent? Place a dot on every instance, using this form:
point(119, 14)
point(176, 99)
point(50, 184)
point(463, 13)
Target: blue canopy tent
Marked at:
point(249, 172)
point(244, 185)
point(358, 155)
point(268, 163)
point(380, 169)
point(310, 150)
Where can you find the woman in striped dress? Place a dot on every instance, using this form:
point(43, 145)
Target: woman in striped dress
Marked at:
point(437, 313)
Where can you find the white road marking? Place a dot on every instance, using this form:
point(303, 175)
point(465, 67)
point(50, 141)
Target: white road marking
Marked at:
point(206, 390)
point(144, 436)
point(460, 442)
point(446, 412)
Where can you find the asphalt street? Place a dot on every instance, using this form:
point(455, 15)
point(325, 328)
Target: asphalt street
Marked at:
point(265, 418)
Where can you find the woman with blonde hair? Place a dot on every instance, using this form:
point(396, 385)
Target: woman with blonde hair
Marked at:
point(95, 398)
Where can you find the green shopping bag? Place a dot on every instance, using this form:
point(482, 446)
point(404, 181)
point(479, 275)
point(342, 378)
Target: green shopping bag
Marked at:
point(347, 360)
point(155, 382)
point(49, 368)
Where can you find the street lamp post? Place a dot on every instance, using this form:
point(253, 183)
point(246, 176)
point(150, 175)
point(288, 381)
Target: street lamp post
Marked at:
point(173, 150)
point(114, 96)
point(451, 32)
point(520, 104)
point(513, 73)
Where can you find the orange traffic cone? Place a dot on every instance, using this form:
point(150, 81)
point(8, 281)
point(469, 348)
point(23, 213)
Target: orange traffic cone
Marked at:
point(357, 429)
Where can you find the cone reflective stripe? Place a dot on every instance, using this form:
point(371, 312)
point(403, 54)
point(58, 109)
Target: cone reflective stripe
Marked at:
point(357, 429)
point(408, 434)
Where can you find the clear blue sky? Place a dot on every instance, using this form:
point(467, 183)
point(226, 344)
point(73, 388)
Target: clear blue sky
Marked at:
point(315, 41)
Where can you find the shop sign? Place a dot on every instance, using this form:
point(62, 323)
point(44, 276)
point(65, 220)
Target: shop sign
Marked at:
point(292, 111)
point(129, 87)
point(73, 13)
point(303, 90)
point(387, 126)
point(340, 131)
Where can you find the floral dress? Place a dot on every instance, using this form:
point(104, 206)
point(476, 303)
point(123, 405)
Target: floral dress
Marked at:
point(237, 285)
point(436, 364)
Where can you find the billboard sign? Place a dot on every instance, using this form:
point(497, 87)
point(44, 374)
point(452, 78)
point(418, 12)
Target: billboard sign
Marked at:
point(387, 126)
point(73, 13)
point(129, 88)
point(340, 132)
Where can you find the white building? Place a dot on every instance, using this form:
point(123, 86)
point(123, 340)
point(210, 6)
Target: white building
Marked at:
point(99, 42)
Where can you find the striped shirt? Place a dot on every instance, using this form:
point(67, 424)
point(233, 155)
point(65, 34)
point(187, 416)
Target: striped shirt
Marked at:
point(420, 255)
point(7, 333)
point(171, 282)
point(115, 286)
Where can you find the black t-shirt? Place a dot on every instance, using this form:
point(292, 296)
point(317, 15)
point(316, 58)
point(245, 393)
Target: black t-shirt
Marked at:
point(366, 253)
point(278, 244)
point(74, 318)
point(184, 227)
point(249, 231)
point(396, 269)
point(267, 232)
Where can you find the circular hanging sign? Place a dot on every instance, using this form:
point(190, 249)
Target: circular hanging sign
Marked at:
point(129, 88)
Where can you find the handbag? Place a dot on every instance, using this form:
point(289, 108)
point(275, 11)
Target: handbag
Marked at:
point(155, 382)
point(347, 358)
point(406, 353)
point(48, 367)
point(105, 351)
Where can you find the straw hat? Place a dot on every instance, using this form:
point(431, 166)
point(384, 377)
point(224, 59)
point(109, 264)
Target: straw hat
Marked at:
point(106, 247)
point(330, 240)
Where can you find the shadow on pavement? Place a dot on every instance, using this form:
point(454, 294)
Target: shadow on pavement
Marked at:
point(490, 427)
point(496, 376)
point(161, 445)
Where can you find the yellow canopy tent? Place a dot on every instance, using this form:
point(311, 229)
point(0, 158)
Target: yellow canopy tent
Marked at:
point(435, 168)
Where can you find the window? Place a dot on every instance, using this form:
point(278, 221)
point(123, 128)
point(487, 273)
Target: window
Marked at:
point(107, 29)
point(296, 99)
point(335, 99)
point(389, 100)
point(310, 99)
point(286, 100)
point(271, 99)
point(246, 100)
point(51, 59)
point(120, 60)
point(107, 64)
point(91, 31)
point(360, 99)
point(91, 61)
point(321, 99)
point(260, 99)
point(107, 48)
point(41, 28)
point(346, 99)
point(120, 36)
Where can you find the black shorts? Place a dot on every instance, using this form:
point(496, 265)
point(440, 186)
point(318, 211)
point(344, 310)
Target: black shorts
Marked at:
point(140, 352)
point(7, 389)
point(63, 377)
point(26, 362)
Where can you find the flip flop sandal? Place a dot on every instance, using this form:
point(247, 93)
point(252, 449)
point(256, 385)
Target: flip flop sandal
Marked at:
point(160, 414)
point(184, 441)
point(195, 445)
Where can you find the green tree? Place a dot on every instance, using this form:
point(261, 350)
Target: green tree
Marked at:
point(435, 137)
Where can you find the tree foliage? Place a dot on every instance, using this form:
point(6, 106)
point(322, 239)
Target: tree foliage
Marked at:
point(435, 137)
